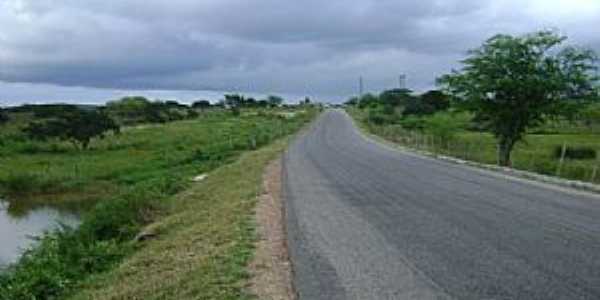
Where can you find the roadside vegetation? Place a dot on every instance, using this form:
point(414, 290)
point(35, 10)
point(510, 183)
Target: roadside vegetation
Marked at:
point(525, 102)
point(125, 166)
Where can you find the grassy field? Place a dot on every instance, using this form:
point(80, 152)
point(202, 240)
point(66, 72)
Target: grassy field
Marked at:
point(535, 153)
point(41, 173)
point(140, 177)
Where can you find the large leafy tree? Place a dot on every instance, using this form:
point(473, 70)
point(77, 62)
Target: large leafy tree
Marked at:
point(78, 126)
point(514, 82)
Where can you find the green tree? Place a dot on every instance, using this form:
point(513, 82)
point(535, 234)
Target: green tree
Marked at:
point(274, 101)
point(78, 127)
point(3, 116)
point(396, 97)
point(512, 83)
point(426, 104)
point(201, 104)
point(367, 100)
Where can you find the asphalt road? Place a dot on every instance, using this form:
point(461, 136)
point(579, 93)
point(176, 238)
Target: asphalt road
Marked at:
point(369, 222)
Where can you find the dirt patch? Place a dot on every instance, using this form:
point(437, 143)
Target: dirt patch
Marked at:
point(271, 268)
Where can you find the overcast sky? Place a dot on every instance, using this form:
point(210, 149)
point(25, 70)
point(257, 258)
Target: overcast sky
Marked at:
point(92, 51)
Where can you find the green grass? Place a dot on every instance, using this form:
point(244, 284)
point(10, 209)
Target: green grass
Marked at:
point(139, 178)
point(202, 247)
point(39, 173)
point(535, 153)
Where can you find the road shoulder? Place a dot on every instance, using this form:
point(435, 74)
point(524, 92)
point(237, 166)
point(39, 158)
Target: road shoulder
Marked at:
point(271, 268)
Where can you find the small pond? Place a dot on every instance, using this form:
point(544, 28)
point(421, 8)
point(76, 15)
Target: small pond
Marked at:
point(18, 227)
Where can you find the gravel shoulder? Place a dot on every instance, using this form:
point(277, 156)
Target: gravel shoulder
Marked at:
point(271, 269)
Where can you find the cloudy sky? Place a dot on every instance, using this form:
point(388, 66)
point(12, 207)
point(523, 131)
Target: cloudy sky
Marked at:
point(92, 51)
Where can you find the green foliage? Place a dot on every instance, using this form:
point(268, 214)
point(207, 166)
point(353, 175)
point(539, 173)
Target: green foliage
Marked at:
point(19, 183)
point(367, 100)
point(201, 104)
point(412, 123)
point(274, 101)
point(58, 261)
point(581, 152)
point(513, 83)
point(3, 116)
point(352, 101)
point(138, 110)
point(149, 166)
point(380, 115)
point(78, 126)
point(396, 97)
point(445, 126)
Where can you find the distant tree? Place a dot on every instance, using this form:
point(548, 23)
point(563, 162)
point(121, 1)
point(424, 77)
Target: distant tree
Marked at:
point(234, 100)
point(436, 99)
point(262, 103)
point(513, 83)
point(79, 127)
point(426, 104)
point(250, 102)
point(133, 110)
point(175, 104)
point(274, 101)
point(352, 101)
point(367, 100)
point(396, 97)
point(3, 116)
point(201, 104)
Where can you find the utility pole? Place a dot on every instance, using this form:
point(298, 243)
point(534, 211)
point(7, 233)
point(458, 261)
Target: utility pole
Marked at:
point(402, 81)
point(360, 87)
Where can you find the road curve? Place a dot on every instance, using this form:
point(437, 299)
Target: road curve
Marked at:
point(369, 222)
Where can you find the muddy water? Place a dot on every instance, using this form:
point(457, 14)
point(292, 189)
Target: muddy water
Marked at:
point(18, 228)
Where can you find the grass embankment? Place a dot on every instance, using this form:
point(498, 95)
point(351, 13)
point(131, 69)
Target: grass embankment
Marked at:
point(133, 178)
point(535, 153)
point(202, 247)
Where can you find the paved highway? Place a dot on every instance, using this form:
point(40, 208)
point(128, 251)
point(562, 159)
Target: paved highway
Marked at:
point(369, 222)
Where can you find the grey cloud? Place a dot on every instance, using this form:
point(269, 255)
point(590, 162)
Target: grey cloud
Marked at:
point(313, 47)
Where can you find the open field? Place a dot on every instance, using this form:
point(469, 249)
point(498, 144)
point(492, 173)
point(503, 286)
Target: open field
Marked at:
point(536, 153)
point(41, 173)
point(142, 177)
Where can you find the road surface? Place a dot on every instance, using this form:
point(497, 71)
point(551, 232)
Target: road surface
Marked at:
point(369, 222)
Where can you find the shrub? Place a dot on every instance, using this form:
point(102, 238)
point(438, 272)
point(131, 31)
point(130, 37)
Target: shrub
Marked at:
point(412, 123)
point(575, 152)
point(24, 183)
point(381, 115)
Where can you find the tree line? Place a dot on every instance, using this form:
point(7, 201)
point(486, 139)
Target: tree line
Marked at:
point(79, 124)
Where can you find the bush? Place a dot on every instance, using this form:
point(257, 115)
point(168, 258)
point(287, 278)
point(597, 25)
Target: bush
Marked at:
point(79, 127)
point(26, 183)
point(575, 152)
point(381, 115)
point(412, 123)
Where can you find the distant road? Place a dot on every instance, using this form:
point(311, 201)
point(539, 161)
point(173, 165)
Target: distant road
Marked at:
point(369, 222)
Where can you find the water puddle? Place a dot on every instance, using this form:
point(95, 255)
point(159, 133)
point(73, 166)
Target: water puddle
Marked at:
point(18, 228)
